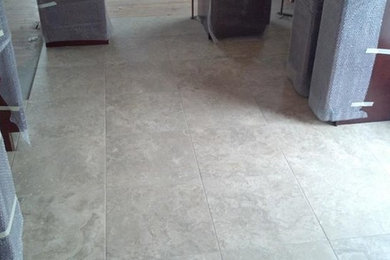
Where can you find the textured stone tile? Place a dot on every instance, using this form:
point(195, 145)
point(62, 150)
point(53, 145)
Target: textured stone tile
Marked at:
point(60, 184)
point(219, 108)
point(64, 225)
point(120, 8)
point(148, 112)
point(156, 26)
point(376, 137)
point(207, 256)
point(73, 56)
point(260, 211)
point(192, 47)
point(364, 248)
point(281, 105)
point(67, 116)
point(52, 83)
point(250, 151)
point(150, 158)
point(158, 222)
point(260, 47)
point(209, 74)
point(345, 184)
point(138, 78)
point(305, 251)
point(125, 50)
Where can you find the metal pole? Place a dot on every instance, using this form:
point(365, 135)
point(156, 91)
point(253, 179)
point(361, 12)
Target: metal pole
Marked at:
point(281, 7)
point(192, 10)
point(282, 13)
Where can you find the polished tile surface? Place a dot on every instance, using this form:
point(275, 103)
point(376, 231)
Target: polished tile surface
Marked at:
point(364, 248)
point(163, 145)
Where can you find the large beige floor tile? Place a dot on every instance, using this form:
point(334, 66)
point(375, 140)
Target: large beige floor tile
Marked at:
point(253, 213)
point(377, 137)
point(127, 50)
point(158, 222)
point(53, 83)
point(232, 151)
point(156, 26)
point(61, 185)
point(73, 56)
point(320, 250)
point(138, 78)
point(192, 47)
point(68, 116)
point(148, 112)
point(347, 187)
point(281, 105)
point(364, 248)
point(220, 108)
point(150, 158)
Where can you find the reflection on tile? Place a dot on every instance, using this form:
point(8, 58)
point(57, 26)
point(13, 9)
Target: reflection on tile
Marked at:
point(192, 48)
point(154, 27)
point(158, 222)
point(282, 105)
point(305, 251)
point(150, 158)
point(251, 151)
point(53, 83)
point(351, 198)
point(377, 139)
point(138, 78)
point(60, 184)
point(208, 74)
point(254, 48)
point(365, 248)
point(73, 56)
point(124, 50)
point(148, 112)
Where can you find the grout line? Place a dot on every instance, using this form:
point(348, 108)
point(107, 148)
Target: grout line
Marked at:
point(200, 176)
point(308, 202)
point(365, 236)
point(105, 163)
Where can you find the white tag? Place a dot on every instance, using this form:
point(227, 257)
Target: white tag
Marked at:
point(362, 104)
point(378, 51)
point(7, 231)
point(1, 33)
point(9, 108)
point(50, 4)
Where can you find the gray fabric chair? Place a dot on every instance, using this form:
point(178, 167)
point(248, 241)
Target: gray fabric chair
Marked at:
point(11, 221)
point(10, 89)
point(342, 68)
point(230, 18)
point(76, 22)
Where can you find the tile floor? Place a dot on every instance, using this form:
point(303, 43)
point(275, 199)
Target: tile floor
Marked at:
point(163, 145)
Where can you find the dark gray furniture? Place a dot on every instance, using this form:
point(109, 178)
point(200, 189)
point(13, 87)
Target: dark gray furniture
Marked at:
point(303, 44)
point(342, 67)
point(231, 18)
point(73, 22)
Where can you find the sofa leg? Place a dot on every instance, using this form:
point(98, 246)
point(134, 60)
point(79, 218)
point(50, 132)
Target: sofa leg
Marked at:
point(8, 141)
